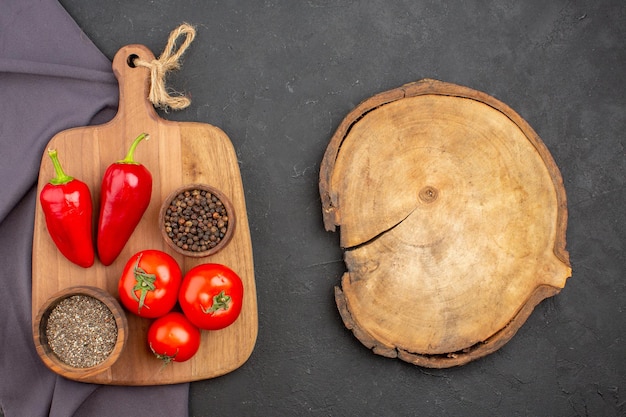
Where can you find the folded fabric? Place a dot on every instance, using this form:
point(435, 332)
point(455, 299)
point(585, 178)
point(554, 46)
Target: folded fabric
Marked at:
point(52, 77)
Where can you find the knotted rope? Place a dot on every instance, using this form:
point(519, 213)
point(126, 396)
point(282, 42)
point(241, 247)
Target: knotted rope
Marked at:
point(168, 61)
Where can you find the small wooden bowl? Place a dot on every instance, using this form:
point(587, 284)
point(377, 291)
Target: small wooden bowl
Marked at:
point(230, 212)
point(51, 359)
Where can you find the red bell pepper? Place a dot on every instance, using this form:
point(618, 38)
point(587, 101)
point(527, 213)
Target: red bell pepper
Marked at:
point(67, 208)
point(124, 197)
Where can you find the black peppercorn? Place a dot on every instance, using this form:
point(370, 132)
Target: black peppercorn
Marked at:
point(196, 220)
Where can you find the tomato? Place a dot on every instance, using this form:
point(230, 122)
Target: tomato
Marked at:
point(149, 284)
point(172, 338)
point(211, 296)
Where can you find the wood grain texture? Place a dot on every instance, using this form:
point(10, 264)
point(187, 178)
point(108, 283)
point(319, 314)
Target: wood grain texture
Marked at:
point(177, 153)
point(452, 216)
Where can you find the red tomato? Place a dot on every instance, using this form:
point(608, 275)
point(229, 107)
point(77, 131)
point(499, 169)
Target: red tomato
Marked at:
point(149, 284)
point(172, 338)
point(211, 296)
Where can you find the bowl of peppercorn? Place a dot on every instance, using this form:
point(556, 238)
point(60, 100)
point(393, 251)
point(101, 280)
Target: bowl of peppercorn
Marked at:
point(80, 331)
point(197, 220)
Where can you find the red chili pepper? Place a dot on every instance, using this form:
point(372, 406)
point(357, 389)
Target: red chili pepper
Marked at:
point(66, 204)
point(124, 197)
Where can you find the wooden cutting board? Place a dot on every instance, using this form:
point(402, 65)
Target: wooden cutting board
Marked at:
point(452, 216)
point(177, 153)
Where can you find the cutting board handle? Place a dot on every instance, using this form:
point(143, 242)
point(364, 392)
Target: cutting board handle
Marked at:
point(134, 82)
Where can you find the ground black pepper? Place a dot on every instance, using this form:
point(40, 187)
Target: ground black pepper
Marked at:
point(81, 331)
point(196, 220)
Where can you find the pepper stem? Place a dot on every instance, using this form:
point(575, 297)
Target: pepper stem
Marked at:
point(61, 177)
point(129, 158)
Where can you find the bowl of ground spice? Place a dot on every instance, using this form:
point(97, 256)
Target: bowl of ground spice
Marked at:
point(80, 331)
point(197, 220)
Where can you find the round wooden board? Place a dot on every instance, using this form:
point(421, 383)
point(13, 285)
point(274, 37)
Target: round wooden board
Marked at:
point(177, 153)
point(452, 217)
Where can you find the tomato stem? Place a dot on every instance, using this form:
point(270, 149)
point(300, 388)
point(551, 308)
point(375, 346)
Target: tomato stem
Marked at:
point(144, 282)
point(220, 301)
point(167, 359)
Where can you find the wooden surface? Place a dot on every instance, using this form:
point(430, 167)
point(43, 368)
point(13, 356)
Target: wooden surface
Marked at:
point(177, 153)
point(452, 216)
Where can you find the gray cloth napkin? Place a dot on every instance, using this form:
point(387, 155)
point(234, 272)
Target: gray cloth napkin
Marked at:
point(51, 78)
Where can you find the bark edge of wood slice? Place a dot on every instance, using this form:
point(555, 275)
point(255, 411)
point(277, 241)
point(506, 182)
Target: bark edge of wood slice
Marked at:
point(452, 217)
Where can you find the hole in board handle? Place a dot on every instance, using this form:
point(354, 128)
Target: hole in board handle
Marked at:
point(131, 60)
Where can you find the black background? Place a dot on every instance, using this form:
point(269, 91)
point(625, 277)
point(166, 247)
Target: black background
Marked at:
point(279, 76)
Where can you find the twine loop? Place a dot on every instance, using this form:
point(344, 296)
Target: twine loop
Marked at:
point(168, 61)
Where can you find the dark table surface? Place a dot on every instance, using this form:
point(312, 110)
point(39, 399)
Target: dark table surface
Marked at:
point(279, 76)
